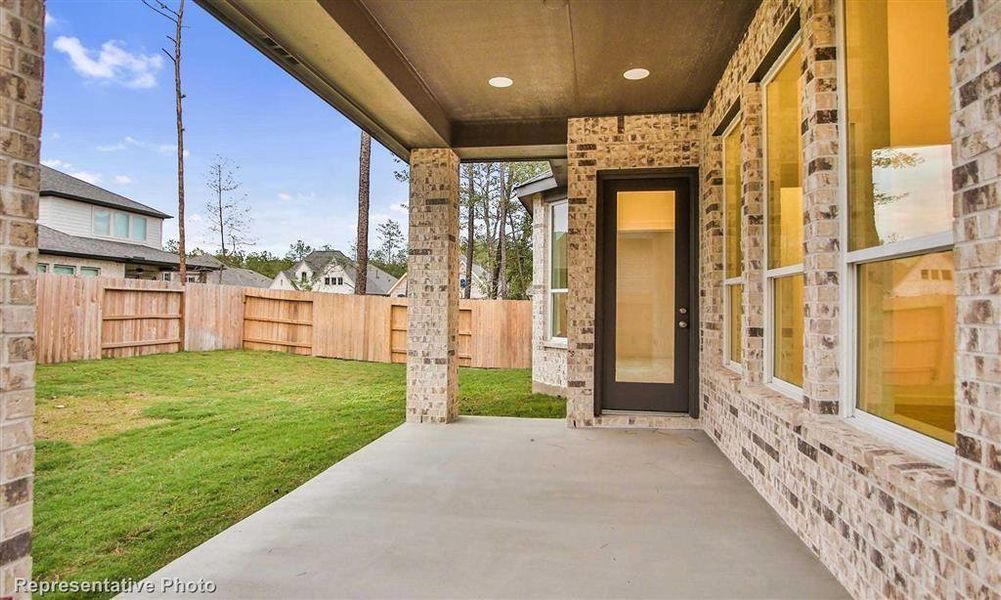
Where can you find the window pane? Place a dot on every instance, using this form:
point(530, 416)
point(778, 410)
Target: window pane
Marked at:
point(785, 165)
point(102, 222)
point(42, 268)
point(899, 157)
point(736, 315)
point(788, 329)
point(139, 229)
point(63, 270)
point(89, 271)
point(732, 192)
point(644, 287)
point(558, 259)
point(558, 318)
point(120, 222)
point(906, 343)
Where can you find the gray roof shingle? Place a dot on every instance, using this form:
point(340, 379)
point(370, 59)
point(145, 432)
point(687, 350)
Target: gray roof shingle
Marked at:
point(57, 183)
point(51, 241)
point(241, 277)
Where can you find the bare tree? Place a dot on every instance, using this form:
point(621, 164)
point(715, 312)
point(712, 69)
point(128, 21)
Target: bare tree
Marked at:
point(470, 228)
point(499, 285)
point(229, 216)
point(177, 18)
point(361, 258)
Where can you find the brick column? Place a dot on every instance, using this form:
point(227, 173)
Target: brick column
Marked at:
point(433, 287)
point(21, 47)
point(822, 247)
point(752, 237)
point(976, 113)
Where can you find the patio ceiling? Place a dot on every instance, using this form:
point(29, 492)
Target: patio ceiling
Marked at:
point(415, 74)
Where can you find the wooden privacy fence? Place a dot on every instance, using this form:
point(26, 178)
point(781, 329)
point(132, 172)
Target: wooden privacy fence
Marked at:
point(89, 318)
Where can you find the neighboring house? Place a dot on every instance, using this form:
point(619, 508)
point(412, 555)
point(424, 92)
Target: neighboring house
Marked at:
point(333, 272)
point(546, 200)
point(88, 231)
point(481, 282)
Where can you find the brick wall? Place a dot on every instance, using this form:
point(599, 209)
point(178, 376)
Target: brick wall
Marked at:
point(594, 144)
point(21, 47)
point(549, 359)
point(975, 30)
point(885, 522)
point(752, 224)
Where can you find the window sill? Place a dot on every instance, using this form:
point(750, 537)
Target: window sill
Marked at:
point(555, 344)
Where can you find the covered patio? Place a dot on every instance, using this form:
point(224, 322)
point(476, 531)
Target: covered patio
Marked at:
point(812, 260)
point(509, 508)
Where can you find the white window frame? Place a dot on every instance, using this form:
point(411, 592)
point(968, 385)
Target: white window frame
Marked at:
point(58, 266)
point(549, 270)
point(42, 267)
point(96, 269)
point(730, 281)
point(907, 439)
point(779, 385)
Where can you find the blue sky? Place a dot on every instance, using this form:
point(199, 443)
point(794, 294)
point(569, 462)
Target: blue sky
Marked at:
point(109, 118)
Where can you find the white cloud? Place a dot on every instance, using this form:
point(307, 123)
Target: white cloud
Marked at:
point(87, 176)
point(129, 141)
point(50, 20)
point(399, 208)
point(54, 135)
point(112, 63)
point(55, 163)
point(284, 196)
point(123, 179)
point(171, 150)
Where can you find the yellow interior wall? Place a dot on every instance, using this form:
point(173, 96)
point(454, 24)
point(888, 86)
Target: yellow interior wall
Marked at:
point(917, 40)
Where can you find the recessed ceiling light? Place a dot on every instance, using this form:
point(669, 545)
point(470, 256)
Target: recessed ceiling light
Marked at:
point(501, 82)
point(637, 73)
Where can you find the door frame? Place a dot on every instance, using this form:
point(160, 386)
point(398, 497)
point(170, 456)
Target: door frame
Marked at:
point(691, 175)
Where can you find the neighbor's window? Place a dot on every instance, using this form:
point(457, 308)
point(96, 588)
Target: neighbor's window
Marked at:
point(64, 270)
point(42, 268)
point(733, 256)
point(90, 272)
point(558, 224)
point(784, 212)
point(302, 277)
point(900, 211)
point(138, 232)
point(102, 222)
point(119, 225)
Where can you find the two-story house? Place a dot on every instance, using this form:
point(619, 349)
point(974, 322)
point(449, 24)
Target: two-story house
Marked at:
point(333, 272)
point(480, 282)
point(89, 231)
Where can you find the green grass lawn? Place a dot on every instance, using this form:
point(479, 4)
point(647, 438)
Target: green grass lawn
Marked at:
point(141, 459)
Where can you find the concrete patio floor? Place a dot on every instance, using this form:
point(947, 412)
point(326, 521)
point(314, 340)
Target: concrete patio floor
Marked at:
point(497, 507)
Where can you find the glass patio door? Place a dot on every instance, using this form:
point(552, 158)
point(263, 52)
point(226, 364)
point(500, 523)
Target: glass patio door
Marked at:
point(644, 295)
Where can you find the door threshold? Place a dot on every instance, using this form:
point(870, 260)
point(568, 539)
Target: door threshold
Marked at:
point(641, 413)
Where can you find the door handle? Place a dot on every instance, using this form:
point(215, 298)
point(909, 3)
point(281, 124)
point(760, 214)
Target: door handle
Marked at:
point(683, 324)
